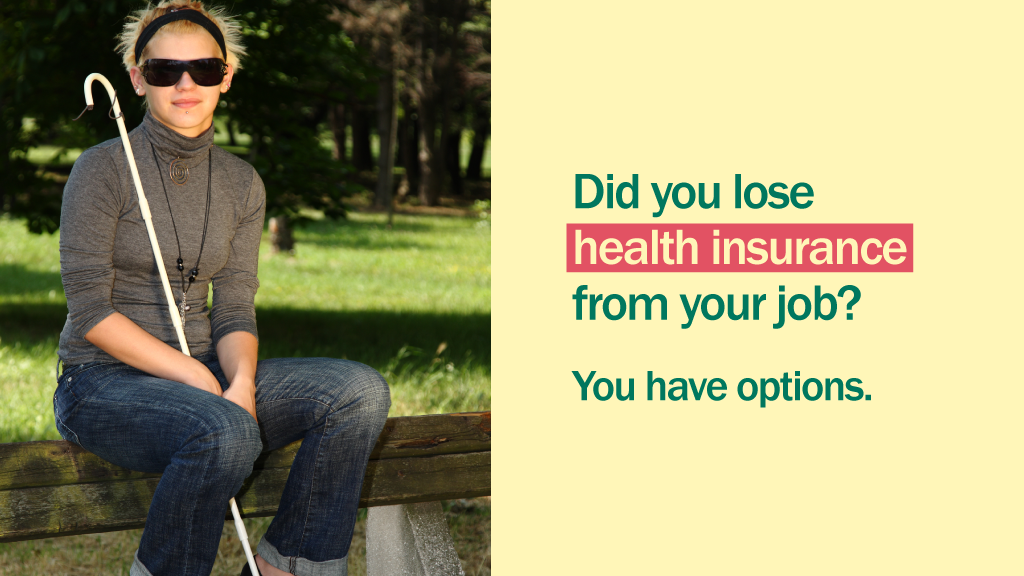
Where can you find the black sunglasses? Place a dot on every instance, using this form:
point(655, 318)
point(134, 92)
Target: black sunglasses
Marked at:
point(205, 71)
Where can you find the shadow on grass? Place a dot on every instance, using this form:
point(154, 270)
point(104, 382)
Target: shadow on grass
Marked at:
point(369, 337)
point(17, 279)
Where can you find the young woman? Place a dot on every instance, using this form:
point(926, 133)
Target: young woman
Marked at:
point(128, 394)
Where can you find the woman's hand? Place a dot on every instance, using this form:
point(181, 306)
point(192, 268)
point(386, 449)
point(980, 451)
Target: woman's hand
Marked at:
point(243, 393)
point(201, 377)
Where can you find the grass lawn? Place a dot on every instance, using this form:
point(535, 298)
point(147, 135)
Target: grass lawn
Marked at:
point(413, 302)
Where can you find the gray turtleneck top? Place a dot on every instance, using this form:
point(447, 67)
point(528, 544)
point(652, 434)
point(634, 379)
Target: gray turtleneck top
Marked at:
point(107, 264)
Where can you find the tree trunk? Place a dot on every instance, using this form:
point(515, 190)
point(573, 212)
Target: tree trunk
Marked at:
point(452, 161)
point(439, 88)
point(336, 120)
point(481, 130)
point(432, 148)
point(408, 134)
point(440, 150)
point(404, 126)
point(428, 189)
point(387, 128)
point(362, 158)
point(429, 103)
point(280, 235)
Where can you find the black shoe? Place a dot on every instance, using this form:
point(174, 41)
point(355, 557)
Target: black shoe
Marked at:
point(247, 572)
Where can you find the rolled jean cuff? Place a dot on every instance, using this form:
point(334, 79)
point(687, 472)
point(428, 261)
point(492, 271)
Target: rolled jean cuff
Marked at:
point(300, 566)
point(138, 569)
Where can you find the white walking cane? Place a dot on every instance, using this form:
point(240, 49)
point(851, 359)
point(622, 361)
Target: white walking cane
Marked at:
point(148, 217)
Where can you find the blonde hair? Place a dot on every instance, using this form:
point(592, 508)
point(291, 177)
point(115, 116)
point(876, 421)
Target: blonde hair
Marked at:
point(138, 21)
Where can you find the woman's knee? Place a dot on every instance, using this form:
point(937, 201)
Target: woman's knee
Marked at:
point(232, 441)
point(363, 389)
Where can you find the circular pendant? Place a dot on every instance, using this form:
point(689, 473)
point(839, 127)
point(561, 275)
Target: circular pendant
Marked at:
point(187, 307)
point(179, 172)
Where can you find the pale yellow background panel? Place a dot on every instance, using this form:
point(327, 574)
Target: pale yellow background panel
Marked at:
point(904, 113)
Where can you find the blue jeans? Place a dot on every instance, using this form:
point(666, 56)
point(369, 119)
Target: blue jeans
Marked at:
point(205, 447)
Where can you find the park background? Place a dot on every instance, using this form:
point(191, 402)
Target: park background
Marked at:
point(901, 112)
point(369, 123)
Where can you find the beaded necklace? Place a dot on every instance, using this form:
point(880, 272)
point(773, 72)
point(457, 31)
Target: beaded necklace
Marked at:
point(184, 307)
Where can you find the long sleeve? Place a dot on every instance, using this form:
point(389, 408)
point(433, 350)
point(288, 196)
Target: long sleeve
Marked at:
point(235, 285)
point(93, 201)
point(213, 221)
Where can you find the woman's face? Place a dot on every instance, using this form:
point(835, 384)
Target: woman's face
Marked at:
point(185, 107)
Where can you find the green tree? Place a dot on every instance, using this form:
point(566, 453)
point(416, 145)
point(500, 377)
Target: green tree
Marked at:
point(300, 64)
point(47, 48)
point(439, 39)
point(433, 57)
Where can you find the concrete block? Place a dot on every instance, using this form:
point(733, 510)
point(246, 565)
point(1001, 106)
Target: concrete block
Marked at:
point(410, 540)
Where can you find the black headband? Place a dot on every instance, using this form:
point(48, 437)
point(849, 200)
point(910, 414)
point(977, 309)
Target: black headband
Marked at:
point(193, 16)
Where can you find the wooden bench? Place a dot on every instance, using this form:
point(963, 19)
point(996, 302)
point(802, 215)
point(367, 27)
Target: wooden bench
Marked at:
point(55, 488)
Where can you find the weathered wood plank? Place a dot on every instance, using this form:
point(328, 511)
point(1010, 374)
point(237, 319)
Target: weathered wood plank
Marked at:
point(410, 436)
point(434, 434)
point(29, 513)
point(47, 511)
point(389, 481)
point(56, 463)
point(444, 477)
